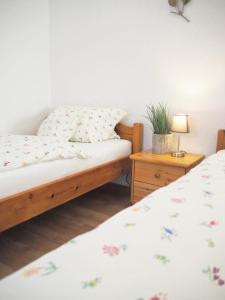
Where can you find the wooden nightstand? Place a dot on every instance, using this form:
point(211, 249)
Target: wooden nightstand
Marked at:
point(152, 171)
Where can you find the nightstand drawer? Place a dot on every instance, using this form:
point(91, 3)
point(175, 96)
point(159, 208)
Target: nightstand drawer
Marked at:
point(142, 189)
point(151, 171)
point(159, 175)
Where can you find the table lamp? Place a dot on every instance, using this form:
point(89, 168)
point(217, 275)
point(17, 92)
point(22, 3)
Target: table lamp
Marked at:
point(179, 125)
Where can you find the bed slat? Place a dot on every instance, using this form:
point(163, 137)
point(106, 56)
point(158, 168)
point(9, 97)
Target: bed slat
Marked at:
point(23, 206)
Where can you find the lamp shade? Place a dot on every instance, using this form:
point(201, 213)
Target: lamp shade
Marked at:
point(180, 124)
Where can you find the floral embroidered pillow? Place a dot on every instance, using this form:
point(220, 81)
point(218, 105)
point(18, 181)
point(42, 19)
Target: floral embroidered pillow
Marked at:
point(96, 124)
point(60, 123)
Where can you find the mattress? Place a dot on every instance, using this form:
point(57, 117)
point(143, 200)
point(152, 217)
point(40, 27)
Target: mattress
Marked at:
point(21, 179)
point(169, 246)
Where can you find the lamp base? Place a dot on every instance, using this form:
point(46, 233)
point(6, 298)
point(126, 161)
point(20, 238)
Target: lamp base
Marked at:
point(178, 154)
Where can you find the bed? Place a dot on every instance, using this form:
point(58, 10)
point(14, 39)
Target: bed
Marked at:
point(32, 190)
point(169, 246)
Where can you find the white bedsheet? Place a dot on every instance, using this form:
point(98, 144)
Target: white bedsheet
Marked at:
point(18, 180)
point(169, 246)
point(17, 151)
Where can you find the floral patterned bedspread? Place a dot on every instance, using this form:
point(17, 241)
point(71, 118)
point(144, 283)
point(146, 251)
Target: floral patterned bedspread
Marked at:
point(169, 246)
point(21, 150)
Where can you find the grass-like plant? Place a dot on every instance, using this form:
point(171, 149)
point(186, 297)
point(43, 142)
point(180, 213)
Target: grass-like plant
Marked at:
point(159, 117)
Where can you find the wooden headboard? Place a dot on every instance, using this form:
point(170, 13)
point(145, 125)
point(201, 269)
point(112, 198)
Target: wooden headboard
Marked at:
point(132, 133)
point(220, 140)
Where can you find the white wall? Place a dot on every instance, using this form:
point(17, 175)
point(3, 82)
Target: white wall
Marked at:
point(128, 53)
point(24, 64)
point(125, 53)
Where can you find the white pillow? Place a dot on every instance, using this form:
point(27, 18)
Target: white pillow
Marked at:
point(96, 124)
point(60, 123)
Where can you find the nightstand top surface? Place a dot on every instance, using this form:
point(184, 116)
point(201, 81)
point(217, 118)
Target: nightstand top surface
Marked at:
point(188, 161)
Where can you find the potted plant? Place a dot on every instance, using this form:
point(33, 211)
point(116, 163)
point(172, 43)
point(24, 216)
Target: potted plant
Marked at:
point(160, 119)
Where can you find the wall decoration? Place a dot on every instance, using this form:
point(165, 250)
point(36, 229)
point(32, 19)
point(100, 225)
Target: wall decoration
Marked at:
point(179, 6)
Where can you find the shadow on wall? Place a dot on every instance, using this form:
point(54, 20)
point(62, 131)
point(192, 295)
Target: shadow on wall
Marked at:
point(29, 124)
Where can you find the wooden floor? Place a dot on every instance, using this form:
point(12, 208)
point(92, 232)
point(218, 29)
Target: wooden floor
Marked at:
point(30, 240)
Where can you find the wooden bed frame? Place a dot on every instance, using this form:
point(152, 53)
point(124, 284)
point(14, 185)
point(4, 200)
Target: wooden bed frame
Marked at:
point(23, 206)
point(220, 140)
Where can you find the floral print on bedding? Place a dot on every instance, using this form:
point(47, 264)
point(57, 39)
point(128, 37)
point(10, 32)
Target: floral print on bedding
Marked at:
point(96, 124)
point(169, 246)
point(60, 123)
point(21, 150)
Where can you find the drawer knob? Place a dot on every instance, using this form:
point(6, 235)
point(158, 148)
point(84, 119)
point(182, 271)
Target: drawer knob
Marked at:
point(157, 175)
